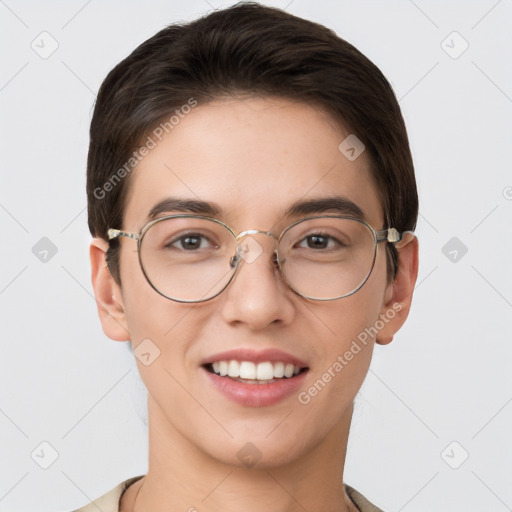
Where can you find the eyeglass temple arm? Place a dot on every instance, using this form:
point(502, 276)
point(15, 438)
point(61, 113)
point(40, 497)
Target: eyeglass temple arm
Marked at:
point(392, 235)
point(114, 233)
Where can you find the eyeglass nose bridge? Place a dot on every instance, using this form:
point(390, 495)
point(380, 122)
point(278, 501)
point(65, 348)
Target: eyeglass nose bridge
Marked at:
point(247, 232)
point(250, 254)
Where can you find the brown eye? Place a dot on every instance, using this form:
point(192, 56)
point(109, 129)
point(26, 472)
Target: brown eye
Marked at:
point(190, 242)
point(319, 241)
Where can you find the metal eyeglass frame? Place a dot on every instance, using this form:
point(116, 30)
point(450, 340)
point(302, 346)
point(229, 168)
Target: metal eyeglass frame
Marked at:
point(390, 235)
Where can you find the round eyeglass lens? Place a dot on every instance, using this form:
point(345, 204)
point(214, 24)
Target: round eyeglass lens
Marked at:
point(327, 257)
point(188, 259)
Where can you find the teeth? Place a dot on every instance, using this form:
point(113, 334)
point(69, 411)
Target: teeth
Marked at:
point(251, 371)
point(278, 370)
point(233, 369)
point(265, 371)
point(247, 370)
point(288, 370)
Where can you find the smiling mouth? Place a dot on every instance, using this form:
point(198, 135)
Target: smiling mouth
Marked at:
point(249, 372)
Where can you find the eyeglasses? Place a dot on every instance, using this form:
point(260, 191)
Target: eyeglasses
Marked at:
point(191, 258)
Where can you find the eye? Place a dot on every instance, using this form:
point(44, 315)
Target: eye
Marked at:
point(190, 242)
point(320, 241)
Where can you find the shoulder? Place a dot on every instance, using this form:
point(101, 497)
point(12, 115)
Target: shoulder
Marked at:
point(360, 501)
point(109, 502)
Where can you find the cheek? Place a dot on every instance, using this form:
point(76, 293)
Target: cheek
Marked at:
point(371, 297)
point(354, 314)
point(167, 328)
point(148, 314)
point(353, 323)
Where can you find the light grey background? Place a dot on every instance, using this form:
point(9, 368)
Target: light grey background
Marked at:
point(446, 377)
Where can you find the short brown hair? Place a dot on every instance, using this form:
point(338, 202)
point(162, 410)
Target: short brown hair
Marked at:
point(245, 49)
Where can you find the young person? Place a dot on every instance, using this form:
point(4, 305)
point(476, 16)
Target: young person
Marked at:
point(251, 195)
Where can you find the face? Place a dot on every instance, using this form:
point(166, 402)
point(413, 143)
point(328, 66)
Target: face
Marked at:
point(253, 158)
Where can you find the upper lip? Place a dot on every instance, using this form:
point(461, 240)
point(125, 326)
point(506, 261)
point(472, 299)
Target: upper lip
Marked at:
point(257, 356)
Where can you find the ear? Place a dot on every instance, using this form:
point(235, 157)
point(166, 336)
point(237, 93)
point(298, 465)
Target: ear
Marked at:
point(398, 296)
point(108, 294)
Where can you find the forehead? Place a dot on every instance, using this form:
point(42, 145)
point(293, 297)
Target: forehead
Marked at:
point(253, 158)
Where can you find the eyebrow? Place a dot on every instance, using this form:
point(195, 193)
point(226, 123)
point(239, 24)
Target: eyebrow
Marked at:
point(339, 204)
point(174, 204)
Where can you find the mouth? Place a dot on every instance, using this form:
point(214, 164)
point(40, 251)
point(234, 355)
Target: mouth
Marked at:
point(250, 372)
point(255, 378)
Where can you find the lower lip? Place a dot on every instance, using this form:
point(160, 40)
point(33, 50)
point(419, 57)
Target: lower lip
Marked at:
point(256, 395)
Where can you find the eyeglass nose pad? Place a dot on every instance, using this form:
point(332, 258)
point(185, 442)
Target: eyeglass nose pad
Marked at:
point(276, 260)
point(234, 261)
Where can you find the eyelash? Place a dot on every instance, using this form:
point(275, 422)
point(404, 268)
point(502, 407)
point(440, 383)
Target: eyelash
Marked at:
point(328, 237)
point(184, 236)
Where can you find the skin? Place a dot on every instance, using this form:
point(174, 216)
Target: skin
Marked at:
point(253, 157)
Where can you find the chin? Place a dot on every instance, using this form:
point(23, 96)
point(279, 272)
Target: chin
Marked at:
point(258, 451)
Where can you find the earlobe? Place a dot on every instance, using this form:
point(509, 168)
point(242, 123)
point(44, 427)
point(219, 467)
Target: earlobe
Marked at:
point(397, 303)
point(107, 293)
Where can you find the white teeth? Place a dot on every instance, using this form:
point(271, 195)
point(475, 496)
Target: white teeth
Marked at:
point(288, 370)
point(279, 370)
point(265, 371)
point(250, 371)
point(233, 369)
point(223, 368)
point(247, 370)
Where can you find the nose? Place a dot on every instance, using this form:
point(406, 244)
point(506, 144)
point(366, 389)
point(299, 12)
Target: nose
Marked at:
point(258, 296)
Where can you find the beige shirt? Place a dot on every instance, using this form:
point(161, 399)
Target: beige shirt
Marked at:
point(109, 502)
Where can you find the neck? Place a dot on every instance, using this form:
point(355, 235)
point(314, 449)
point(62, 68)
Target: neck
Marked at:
point(182, 477)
